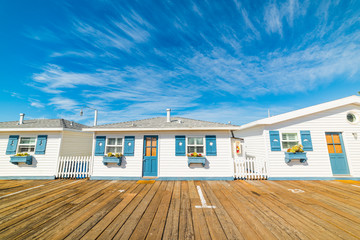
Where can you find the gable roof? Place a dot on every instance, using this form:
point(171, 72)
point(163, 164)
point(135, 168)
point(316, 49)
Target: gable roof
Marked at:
point(160, 124)
point(304, 111)
point(41, 124)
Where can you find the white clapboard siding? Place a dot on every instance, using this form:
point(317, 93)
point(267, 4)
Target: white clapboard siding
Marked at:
point(43, 165)
point(250, 168)
point(74, 167)
point(318, 163)
point(169, 165)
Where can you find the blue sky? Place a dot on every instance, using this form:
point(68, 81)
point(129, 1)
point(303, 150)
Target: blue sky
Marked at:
point(211, 60)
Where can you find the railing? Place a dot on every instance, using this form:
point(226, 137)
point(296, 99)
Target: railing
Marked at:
point(74, 167)
point(250, 168)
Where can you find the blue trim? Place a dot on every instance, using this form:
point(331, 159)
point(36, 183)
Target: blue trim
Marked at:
point(129, 146)
point(26, 177)
point(150, 164)
point(195, 178)
point(312, 178)
point(275, 141)
point(180, 150)
point(41, 144)
point(114, 178)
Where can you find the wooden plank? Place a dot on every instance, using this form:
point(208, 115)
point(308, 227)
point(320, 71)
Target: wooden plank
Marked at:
point(226, 223)
point(144, 223)
point(78, 217)
point(99, 215)
point(127, 229)
point(116, 224)
point(186, 230)
point(128, 196)
point(245, 229)
point(171, 230)
point(201, 229)
point(157, 227)
point(29, 221)
point(306, 203)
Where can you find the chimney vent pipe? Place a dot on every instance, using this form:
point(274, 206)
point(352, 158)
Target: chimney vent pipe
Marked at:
point(168, 118)
point(21, 121)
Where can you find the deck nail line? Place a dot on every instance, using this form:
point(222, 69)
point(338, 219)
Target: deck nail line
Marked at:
point(10, 194)
point(202, 199)
point(355, 185)
point(296, 190)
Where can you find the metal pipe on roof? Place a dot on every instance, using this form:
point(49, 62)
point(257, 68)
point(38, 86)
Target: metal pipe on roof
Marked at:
point(168, 118)
point(21, 120)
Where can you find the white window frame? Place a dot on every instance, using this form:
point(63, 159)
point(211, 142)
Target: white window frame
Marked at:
point(289, 132)
point(203, 145)
point(19, 141)
point(122, 144)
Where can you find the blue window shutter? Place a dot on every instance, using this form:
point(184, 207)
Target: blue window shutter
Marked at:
point(12, 144)
point(210, 145)
point(275, 140)
point(100, 146)
point(41, 144)
point(180, 146)
point(306, 140)
point(129, 145)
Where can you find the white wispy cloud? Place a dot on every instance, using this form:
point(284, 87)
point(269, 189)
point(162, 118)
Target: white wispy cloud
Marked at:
point(63, 103)
point(272, 18)
point(36, 103)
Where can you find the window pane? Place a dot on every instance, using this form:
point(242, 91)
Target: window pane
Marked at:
point(328, 138)
point(111, 141)
point(289, 136)
point(330, 148)
point(119, 141)
point(191, 141)
point(153, 151)
point(154, 142)
point(200, 149)
point(27, 140)
point(23, 149)
point(191, 149)
point(287, 145)
point(336, 138)
point(199, 141)
point(118, 150)
point(32, 149)
point(110, 149)
point(148, 152)
point(338, 148)
point(148, 142)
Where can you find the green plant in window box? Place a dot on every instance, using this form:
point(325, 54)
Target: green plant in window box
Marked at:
point(21, 158)
point(296, 148)
point(113, 158)
point(296, 152)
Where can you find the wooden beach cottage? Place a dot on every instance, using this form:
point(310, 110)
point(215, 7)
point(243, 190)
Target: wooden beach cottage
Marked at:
point(32, 149)
point(329, 133)
point(159, 148)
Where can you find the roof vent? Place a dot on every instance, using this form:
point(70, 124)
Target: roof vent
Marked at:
point(21, 121)
point(133, 125)
point(72, 123)
point(180, 121)
point(168, 118)
point(229, 122)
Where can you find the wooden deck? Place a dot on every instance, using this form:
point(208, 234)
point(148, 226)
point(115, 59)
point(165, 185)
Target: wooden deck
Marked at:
point(70, 209)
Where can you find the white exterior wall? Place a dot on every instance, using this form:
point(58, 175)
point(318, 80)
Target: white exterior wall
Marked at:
point(76, 144)
point(253, 142)
point(43, 165)
point(169, 165)
point(318, 164)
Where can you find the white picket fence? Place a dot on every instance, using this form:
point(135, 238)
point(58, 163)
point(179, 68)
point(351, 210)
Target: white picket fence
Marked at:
point(74, 167)
point(250, 168)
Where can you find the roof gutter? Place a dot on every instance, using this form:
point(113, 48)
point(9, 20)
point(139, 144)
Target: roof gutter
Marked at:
point(38, 130)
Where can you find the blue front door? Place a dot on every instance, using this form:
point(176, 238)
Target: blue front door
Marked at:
point(335, 144)
point(150, 163)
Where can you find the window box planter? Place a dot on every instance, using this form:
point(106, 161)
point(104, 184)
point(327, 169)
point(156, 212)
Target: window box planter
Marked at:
point(116, 160)
point(297, 155)
point(196, 160)
point(21, 159)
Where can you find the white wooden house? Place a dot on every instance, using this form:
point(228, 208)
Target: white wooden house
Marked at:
point(45, 140)
point(329, 132)
point(158, 148)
